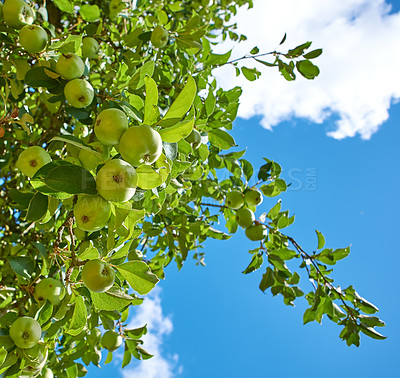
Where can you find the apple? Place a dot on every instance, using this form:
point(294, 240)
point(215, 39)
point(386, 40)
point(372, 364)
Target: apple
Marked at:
point(70, 66)
point(25, 332)
point(49, 288)
point(91, 212)
point(194, 138)
point(135, 254)
point(140, 145)
point(234, 199)
point(159, 37)
point(47, 373)
point(80, 131)
point(33, 38)
point(91, 160)
point(79, 234)
point(253, 197)
point(17, 13)
point(256, 232)
point(110, 125)
point(245, 217)
point(94, 337)
point(90, 48)
point(111, 340)
point(79, 93)
point(98, 276)
point(116, 181)
point(32, 159)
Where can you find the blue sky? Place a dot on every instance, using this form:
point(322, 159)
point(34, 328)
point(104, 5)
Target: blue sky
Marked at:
point(214, 321)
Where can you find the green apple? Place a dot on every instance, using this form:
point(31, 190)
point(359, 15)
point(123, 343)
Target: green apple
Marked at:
point(194, 138)
point(159, 37)
point(70, 66)
point(111, 340)
point(253, 197)
point(94, 337)
point(91, 212)
point(234, 199)
point(32, 159)
point(25, 332)
point(90, 48)
point(98, 276)
point(140, 145)
point(116, 181)
point(91, 160)
point(33, 38)
point(79, 93)
point(50, 289)
point(47, 373)
point(135, 254)
point(17, 13)
point(110, 125)
point(80, 131)
point(245, 217)
point(256, 232)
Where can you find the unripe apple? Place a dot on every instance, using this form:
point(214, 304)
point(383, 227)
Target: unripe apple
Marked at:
point(80, 131)
point(256, 232)
point(50, 289)
point(234, 199)
point(32, 159)
point(116, 181)
point(194, 138)
point(94, 337)
point(245, 217)
point(17, 13)
point(25, 332)
point(90, 48)
point(110, 125)
point(91, 160)
point(79, 93)
point(111, 340)
point(253, 197)
point(70, 66)
point(33, 38)
point(47, 373)
point(98, 276)
point(159, 37)
point(140, 145)
point(91, 212)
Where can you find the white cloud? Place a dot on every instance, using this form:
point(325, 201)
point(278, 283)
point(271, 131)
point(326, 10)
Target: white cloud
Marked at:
point(158, 326)
point(360, 66)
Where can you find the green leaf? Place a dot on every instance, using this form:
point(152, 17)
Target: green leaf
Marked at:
point(79, 316)
point(136, 333)
point(181, 105)
point(313, 54)
point(177, 132)
point(309, 316)
point(90, 13)
point(44, 313)
point(22, 265)
point(113, 300)
point(267, 280)
point(299, 50)
point(250, 74)
point(3, 355)
point(148, 178)
point(137, 80)
point(37, 77)
point(274, 211)
point(216, 59)
point(151, 111)
point(255, 263)
point(139, 276)
point(307, 69)
point(371, 332)
point(221, 139)
point(37, 207)
point(341, 253)
point(64, 5)
point(210, 103)
point(254, 50)
point(321, 240)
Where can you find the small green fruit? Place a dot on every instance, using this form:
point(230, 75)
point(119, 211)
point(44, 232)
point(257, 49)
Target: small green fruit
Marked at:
point(98, 276)
point(50, 289)
point(159, 37)
point(256, 232)
point(33, 38)
point(91, 160)
point(79, 93)
point(17, 13)
point(91, 212)
point(116, 181)
point(47, 373)
point(245, 217)
point(111, 340)
point(140, 145)
point(70, 66)
point(110, 125)
point(253, 197)
point(234, 199)
point(90, 48)
point(94, 337)
point(25, 332)
point(32, 159)
point(194, 138)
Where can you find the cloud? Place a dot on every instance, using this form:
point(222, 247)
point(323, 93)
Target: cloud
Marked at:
point(158, 326)
point(360, 65)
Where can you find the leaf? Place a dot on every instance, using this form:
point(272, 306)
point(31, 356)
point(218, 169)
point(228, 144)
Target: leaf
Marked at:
point(177, 132)
point(181, 105)
point(90, 13)
point(151, 111)
point(22, 265)
point(267, 280)
point(321, 240)
point(148, 178)
point(250, 74)
point(255, 263)
point(216, 59)
point(137, 80)
point(308, 316)
point(45, 312)
point(37, 77)
point(139, 276)
point(273, 213)
point(37, 207)
point(113, 300)
point(299, 50)
point(283, 39)
point(221, 139)
point(64, 5)
point(307, 69)
point(79, 317)
point(136, 333)
point(371, 332)
point(76, 142)
point(313, 54)
point(3, 355)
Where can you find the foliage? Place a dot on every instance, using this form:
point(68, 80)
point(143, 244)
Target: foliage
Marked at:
point(179, 199)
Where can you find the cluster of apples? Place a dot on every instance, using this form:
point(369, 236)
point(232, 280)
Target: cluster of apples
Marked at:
point(245, 204)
